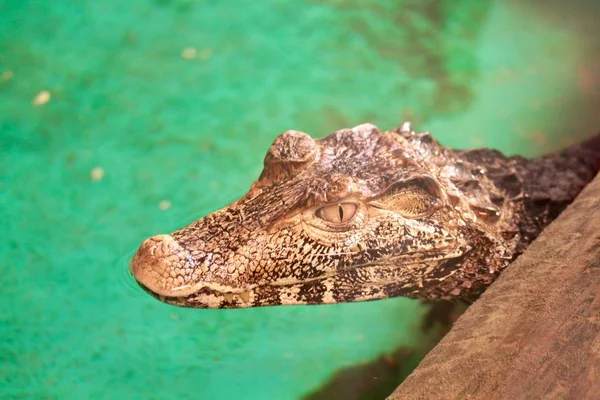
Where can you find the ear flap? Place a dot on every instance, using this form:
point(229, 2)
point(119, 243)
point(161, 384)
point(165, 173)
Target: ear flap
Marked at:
point(479, 198)
point(290, 153)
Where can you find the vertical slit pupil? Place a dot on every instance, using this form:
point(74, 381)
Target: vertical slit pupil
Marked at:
point(341, 212)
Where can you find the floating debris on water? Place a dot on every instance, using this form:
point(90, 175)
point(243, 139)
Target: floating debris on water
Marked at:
point(42, 98)
point(189, 53)
point(7, 75)
point(164, 205)
point(97, 174)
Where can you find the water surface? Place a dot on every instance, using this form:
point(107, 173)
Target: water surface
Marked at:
point(161, 111)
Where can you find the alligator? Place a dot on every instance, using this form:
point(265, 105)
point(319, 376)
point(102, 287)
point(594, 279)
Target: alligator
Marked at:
point(362, 215)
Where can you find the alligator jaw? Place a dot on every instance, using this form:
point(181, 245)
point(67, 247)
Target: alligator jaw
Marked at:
point(212, 298)
point(218, 296)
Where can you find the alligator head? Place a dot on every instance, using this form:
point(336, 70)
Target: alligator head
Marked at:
point(358, 215)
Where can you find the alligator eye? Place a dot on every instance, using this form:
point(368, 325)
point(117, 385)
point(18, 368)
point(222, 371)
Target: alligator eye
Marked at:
point(337, 213)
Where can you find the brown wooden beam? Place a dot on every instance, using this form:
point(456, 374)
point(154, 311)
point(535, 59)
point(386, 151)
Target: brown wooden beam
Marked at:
point(535, 333)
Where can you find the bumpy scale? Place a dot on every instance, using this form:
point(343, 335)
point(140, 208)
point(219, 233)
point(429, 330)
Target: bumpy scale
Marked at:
point(362, 215)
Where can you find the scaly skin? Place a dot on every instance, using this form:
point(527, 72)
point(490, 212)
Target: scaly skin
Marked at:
point(363, 215)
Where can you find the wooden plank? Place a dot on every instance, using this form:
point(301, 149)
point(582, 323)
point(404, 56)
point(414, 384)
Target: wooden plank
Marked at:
point(535, 333)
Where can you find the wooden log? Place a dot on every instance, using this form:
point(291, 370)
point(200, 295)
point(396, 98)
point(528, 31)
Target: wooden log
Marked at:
point(535, 333)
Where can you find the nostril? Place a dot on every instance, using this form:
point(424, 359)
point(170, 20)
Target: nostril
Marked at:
point(161, 265)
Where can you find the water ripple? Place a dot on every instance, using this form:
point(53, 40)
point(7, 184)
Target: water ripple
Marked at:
point(125, 280)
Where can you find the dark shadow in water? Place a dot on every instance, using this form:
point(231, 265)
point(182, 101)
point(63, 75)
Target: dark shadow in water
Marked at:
point(432, 43)
point(378, 379)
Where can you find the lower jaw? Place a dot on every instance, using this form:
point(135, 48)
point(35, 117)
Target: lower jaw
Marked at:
point(207, 298)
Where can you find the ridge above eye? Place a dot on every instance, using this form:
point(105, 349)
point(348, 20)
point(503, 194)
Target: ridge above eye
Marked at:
point(413, 198)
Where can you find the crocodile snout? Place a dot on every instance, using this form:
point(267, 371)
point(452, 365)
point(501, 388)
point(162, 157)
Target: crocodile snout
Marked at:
point(163, 266)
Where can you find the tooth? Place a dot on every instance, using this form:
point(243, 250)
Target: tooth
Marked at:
point(245, 296)
point(228, 297)
point(180, 287)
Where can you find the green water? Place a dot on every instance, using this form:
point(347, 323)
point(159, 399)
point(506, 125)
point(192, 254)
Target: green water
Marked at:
point(178, 136)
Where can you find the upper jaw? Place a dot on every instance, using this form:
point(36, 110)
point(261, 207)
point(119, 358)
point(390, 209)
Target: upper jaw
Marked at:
point(214, 295)
point(163, 266)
